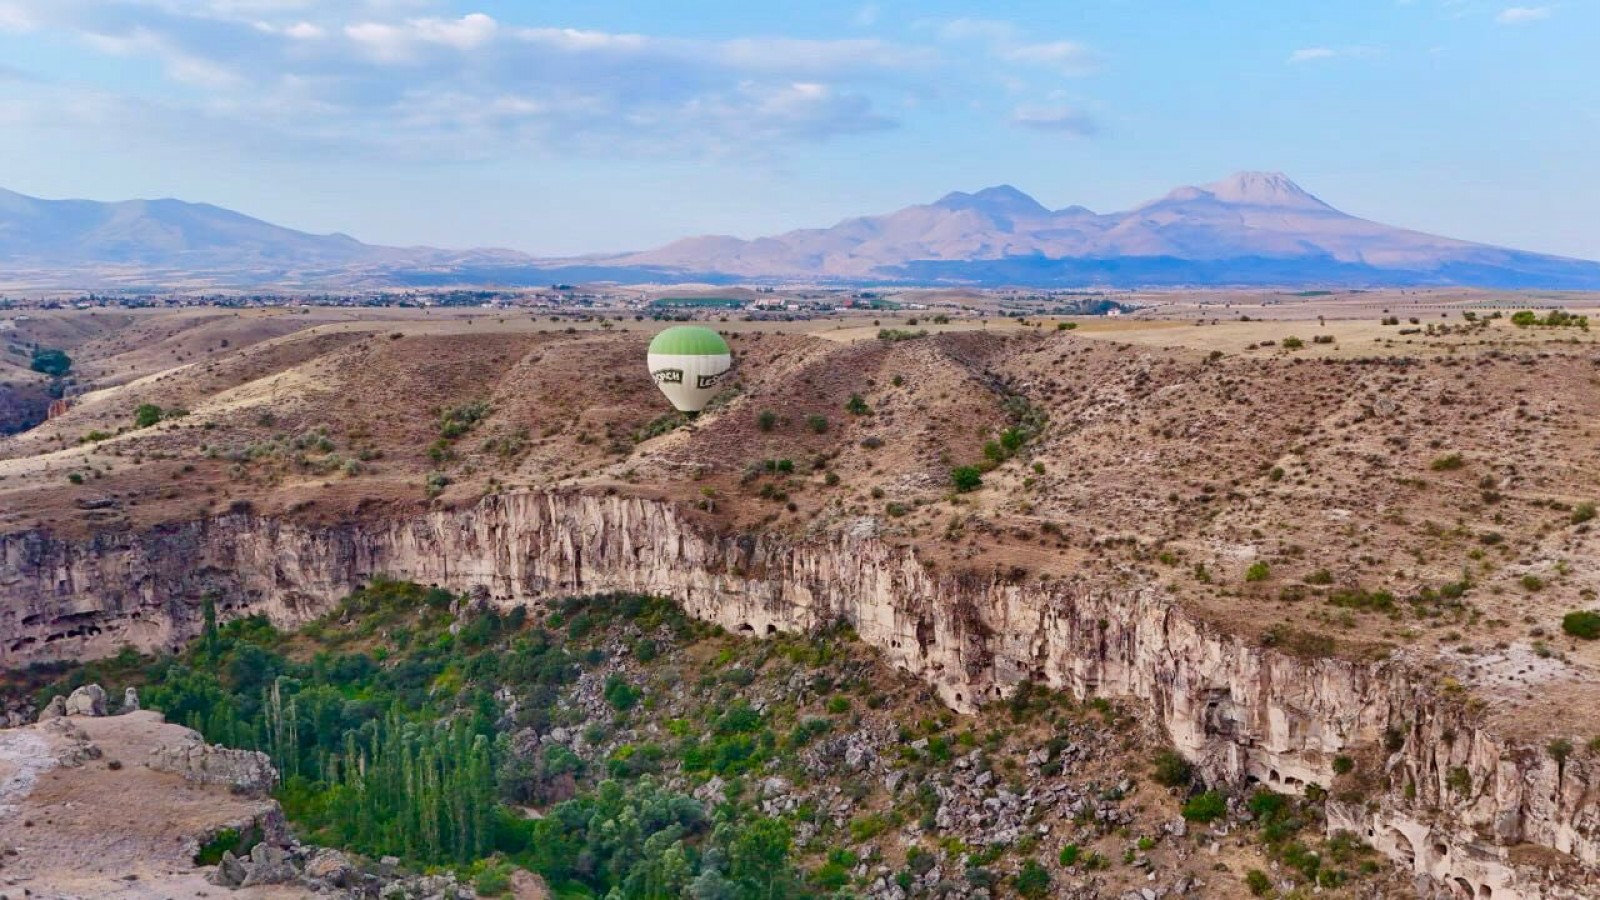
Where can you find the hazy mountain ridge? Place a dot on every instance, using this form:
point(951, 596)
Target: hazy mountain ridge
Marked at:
point(1250, 228)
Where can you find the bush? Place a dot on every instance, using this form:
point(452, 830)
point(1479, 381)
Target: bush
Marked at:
point(1582, 624)
point(966, 479)
point(1343, 765)
point(1583, 512)
point(1531, 583)
point(620, 694)
point(817, 424)
point(1172, 770)
point(1258, 882)
point(1293, 343)
point(1207, 807)
point(1033, 880)
point(1258, 571)
point(146, 414)
point(1066, 326)
point(856, 406)
point(1448, 463)
point(492, 880)
point(1069, 855)
point(766, 420)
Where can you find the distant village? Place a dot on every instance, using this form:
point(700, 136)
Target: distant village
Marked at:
point(795, 303)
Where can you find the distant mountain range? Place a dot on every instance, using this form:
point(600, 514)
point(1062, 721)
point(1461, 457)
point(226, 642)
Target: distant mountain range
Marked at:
point(1252, 228)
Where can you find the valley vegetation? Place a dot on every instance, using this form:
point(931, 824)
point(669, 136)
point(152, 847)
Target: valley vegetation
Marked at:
point(665, 758)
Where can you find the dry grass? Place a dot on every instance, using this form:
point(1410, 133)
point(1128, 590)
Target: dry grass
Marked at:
point(1174, 458)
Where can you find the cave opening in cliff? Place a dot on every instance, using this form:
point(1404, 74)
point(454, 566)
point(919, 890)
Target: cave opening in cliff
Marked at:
point(1404, 850)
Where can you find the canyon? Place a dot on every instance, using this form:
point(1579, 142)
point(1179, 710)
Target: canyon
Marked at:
point(1477, 812)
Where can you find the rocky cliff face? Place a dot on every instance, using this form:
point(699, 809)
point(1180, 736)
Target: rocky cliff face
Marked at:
point(1516, 824)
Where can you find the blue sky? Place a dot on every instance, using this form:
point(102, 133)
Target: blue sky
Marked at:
point(560, 128)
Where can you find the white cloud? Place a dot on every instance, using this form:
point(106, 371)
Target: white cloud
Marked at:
point(1007, 42)
point(1315, 54)
point(393, 77)
point(1519, 15)
point(1070, 57)
point(1307, 54)
point(1061, 119)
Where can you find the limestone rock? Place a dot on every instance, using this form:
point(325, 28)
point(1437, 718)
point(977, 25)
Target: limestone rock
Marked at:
point(268, 865)
point(229, 872)
point(89, 700)
point(250, 771)
point(130, 700)
point(332, 867)
point(55, 709)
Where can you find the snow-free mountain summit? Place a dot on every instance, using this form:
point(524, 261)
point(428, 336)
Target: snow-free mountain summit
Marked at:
point(1253, 228)
point(1250, 228)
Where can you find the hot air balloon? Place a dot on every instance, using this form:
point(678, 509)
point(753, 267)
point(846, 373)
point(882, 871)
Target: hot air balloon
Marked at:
point(686, 362)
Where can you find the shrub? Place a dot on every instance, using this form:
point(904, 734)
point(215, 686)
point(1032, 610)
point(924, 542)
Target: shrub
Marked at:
point(1033, 880)
point(1583, 512)
point(766, 420)
point(1207, 807)
point(1069, 855)
point(620, 694)
point(1066, 326)
point(1258, 882)
point(1293, 343)
point(895, 334)
point(1172, 770)
point(856, 406)
point(75, 477)
point(1582, 624)
point(1531, 583)
point(966, 479)
point(1343, 765)
point(1447, 463)
point(817, 424)
point(146, 414)
point(492, 880)
point(1258, 571)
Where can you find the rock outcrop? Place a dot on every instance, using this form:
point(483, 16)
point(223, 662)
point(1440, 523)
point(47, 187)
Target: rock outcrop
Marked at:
point(1524, 826)
point(248, 772)
point(89, 700)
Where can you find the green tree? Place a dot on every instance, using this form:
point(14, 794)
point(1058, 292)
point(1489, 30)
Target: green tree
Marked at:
point(54, 363)
point(146, 414)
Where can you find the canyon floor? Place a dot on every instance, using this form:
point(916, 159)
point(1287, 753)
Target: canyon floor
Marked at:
point(1389, 476)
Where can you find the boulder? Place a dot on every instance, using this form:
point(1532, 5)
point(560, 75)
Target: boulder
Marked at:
point(268, 865)
point(55, 709)
point(229, 872)
point(89, 700)
point(333, 868)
